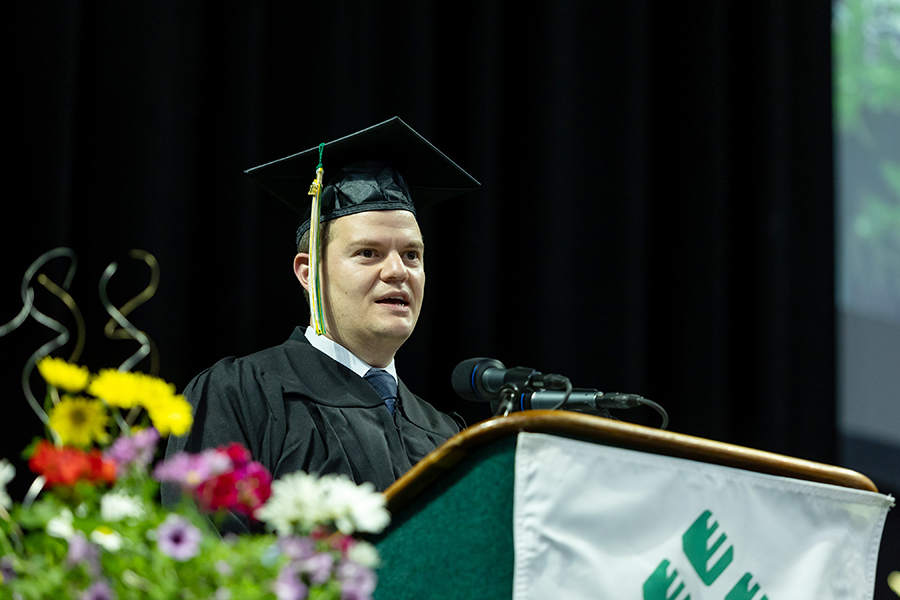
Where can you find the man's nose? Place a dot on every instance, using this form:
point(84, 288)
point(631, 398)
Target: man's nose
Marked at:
point(394, 269)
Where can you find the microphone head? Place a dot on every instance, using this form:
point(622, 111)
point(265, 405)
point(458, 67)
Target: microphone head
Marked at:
point(466, 378)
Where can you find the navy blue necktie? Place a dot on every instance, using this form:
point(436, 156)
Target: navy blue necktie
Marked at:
point(385, 384)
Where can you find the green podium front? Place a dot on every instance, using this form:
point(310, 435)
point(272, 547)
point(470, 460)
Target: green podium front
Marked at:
point(455, 540)
point(452, 530)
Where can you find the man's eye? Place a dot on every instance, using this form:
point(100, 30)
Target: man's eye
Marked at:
point(412, 255)
point(367, 253)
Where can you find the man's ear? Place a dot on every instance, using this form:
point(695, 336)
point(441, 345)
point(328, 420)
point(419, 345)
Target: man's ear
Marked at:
point(301, 269)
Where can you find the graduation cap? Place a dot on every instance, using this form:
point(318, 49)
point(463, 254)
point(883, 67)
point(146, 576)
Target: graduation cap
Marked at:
point(387, 166)
point(428, 174)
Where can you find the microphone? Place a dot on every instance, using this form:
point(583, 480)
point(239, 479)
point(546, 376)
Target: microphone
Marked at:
point(481, 379)
point(584, 399)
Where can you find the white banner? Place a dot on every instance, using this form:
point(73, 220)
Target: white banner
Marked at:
point(592, 521)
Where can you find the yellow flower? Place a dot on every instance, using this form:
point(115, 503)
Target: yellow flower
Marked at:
point(171, 415)
point(125, 390)
point(79, 421)
point(117, 388)
point(64, 375)
point(154, 390)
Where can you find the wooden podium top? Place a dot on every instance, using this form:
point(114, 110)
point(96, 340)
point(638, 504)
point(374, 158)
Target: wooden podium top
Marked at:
point(612, 433)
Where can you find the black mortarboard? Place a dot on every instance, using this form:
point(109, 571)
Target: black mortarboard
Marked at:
point(356, 179)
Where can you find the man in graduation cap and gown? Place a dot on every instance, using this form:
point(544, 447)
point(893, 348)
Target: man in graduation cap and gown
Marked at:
point(328, 400)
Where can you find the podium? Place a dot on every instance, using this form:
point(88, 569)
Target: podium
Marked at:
point(453, 533)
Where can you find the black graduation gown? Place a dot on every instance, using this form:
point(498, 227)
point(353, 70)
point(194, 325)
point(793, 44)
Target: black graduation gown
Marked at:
point(295, 408)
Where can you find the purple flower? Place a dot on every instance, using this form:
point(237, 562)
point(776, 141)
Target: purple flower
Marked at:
point(318, 567)
point(287, 586)
point(83, 551)
point(296, 547)
point(357, 581)
point(176, 537)
point(99, 591)
point(7, 572)
point(137, 449)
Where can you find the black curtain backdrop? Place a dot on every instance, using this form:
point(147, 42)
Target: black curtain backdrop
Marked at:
point(656, 214)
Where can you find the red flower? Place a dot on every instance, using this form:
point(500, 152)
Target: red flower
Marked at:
point(218, 492)
point(66, 465)
point(59, 466)
point(342, 542)
point(254, 486)
point(240, 490)
point(239, 455)
point(101, 469)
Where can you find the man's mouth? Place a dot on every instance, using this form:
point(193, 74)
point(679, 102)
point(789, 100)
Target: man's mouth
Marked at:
point(395, 300)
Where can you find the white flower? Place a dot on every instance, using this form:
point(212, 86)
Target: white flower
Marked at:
point(363, 553)
point(117, 506)
point(60, 526)
point(223, 593)
point(7, 472)
point(356, 507)
point(223, 568)
point(107, 538)
point(297, 499)
point(301, 501)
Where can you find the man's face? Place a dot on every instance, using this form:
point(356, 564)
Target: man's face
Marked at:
point(373, 282)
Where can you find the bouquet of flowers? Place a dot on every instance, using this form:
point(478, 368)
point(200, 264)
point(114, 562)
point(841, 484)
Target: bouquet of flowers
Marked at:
point(91, 526)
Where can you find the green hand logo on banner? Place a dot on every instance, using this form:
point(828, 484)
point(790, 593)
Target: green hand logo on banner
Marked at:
point(658, 584)
point(742, 590)
point(695, 542)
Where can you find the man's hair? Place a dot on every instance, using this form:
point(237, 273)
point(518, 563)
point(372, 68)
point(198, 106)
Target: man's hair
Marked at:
point(303, 246)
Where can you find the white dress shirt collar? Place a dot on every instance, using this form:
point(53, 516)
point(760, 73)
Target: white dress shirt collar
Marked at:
point(344, 356)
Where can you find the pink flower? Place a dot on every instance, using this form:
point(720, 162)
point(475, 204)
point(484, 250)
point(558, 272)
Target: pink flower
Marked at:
point(137, 449)
point(190, 470)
